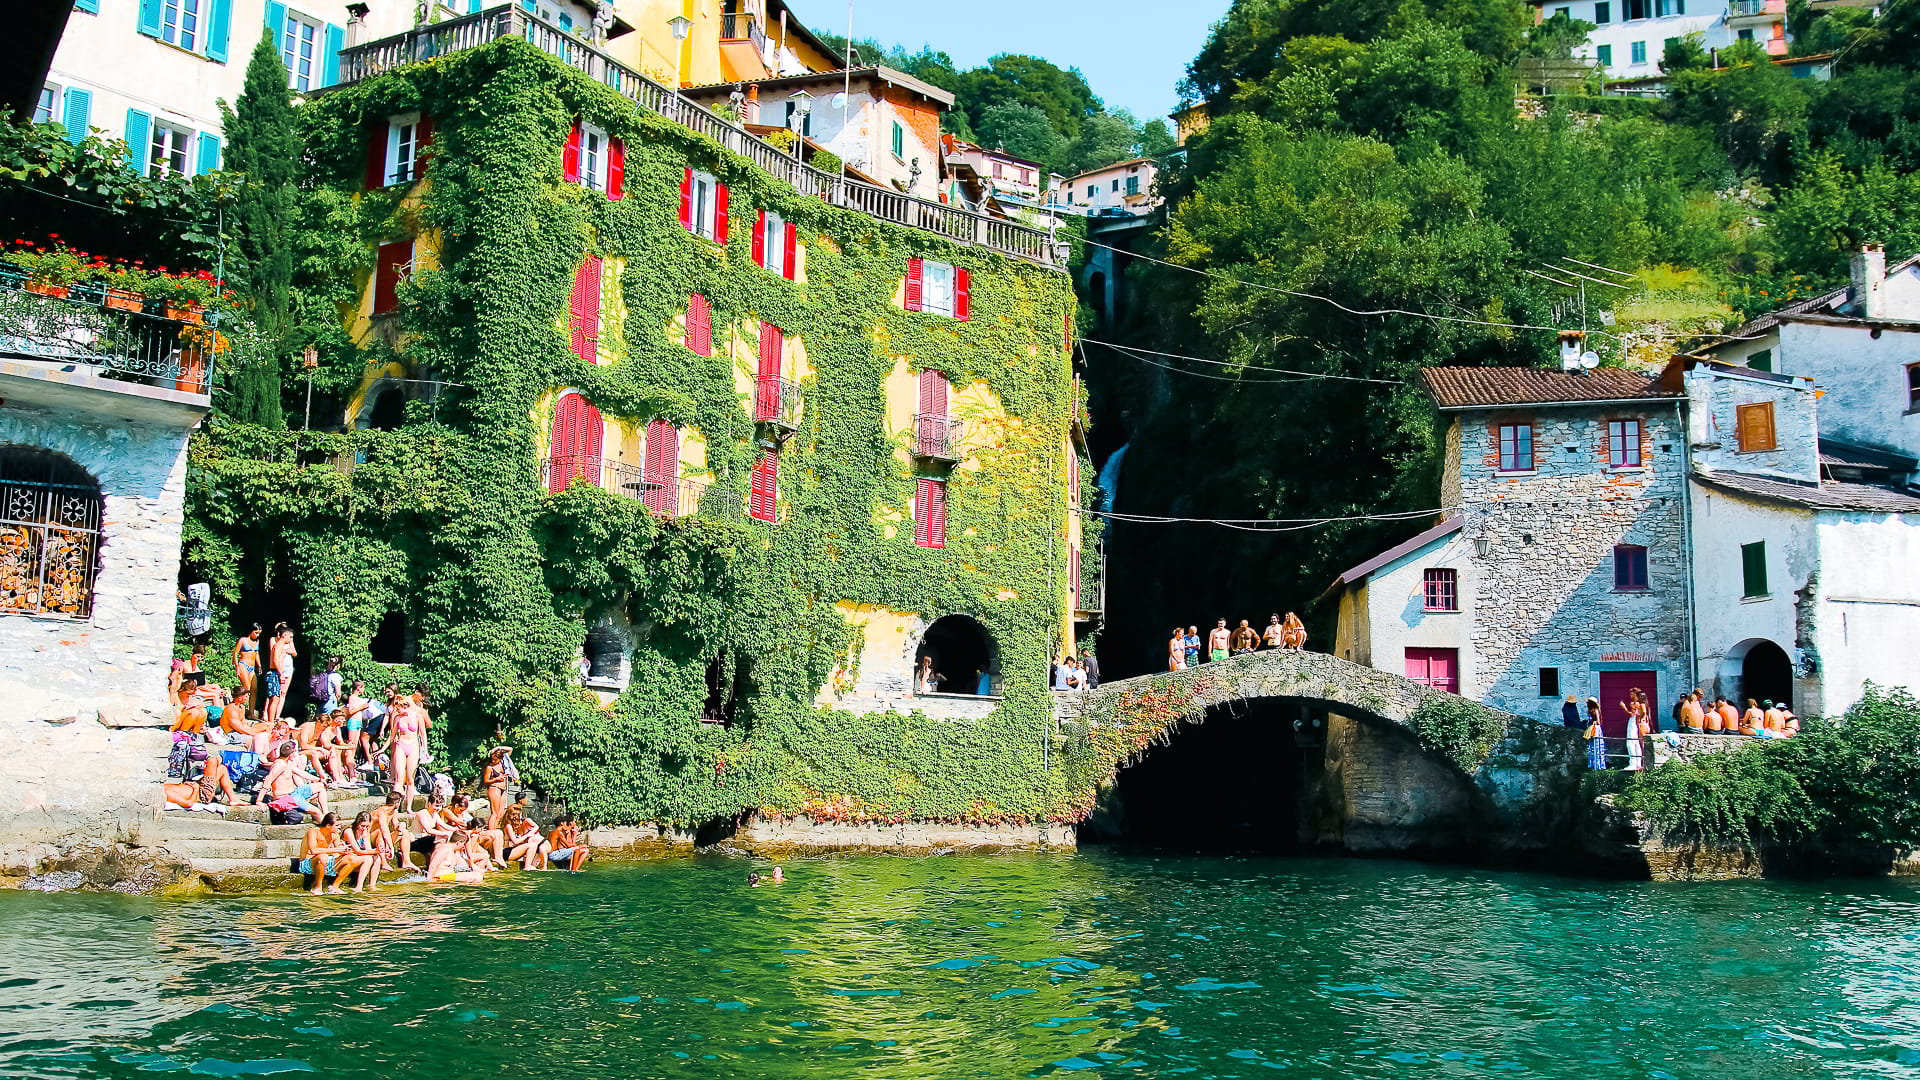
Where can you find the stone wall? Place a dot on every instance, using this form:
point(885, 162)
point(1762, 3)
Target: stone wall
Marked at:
point(82, 739)
point(1545, 588)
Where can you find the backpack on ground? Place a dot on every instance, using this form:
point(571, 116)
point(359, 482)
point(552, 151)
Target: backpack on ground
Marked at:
point(321, 687)
point(286, 817)
point(178, 757)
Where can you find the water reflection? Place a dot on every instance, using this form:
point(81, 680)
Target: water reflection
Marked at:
point(1016, 966)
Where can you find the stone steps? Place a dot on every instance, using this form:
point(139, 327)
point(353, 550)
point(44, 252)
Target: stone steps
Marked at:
point(241, 852)
point(236, 848)
point(198, 825)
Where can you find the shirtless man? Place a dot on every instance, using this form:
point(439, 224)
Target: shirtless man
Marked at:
point(279, 670)
point(1274, 632)
point(1244, 639)
point(1772, 718)
point(288, 778)
point(449, 864)
point(390, 826)
point(1217, 639)
point(431, 826)
point(1692, 716)
point(1729, 715)
point(568, 852)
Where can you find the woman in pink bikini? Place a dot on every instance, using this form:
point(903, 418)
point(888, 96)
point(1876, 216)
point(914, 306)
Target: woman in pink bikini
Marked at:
point(406, 733)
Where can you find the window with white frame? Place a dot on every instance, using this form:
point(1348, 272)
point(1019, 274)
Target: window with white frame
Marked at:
point(704, 205)
point(168, 150)
point(180, 23)
point(300, 49)
point(936, 288)
point(43, 105)
point(774, 244)
point(403, 148)
point(593, 157)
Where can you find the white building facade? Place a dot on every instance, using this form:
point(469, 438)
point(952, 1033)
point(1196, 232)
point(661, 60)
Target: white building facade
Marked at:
point(1629, 35)
point(1123, 187)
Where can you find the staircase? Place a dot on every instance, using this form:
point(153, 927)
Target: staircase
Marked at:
point(241, 852)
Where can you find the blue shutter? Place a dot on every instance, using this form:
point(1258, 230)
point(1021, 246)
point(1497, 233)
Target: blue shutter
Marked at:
point(139, 134)
point(150, 17)
point(277, 25)
point(330, 62)
point(209, 152)
point(528, 4)
point(91, 7)
point(219, 23)
point(79, 111)
point(473, 6)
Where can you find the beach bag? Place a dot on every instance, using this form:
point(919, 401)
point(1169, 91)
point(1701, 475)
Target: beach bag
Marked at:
point(1592, 732)
point(285, 817)
point(320, 687)
point(441, 785)
point(178, 757)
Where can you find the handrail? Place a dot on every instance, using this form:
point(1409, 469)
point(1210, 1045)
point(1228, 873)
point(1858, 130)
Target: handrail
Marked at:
point(87, 323)
point(511, 21)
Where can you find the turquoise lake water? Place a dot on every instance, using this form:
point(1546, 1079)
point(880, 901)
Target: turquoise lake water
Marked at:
point(1085, 965)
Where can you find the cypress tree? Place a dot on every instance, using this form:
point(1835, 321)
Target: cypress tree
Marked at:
point(263, 147)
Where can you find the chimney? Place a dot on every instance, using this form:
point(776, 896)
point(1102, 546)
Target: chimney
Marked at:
point(1870, 280)
point(356, 24)
point(753, 104)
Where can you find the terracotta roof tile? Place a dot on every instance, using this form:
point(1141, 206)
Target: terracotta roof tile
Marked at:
point(1485, 387)
point(1825, 496)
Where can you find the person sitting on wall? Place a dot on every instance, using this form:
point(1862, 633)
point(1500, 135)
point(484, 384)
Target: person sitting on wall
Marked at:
point(927, 680)
point(1789, 723)
point(430, 827)
point(1729, 714)
point(1752, 718)
point(567, 852)
point(1774, 720)
point(290, 785)
point(1689, 713)
point(491, 842)
point(451, 862)
point(524, 842)
point(322, 852)
point(1714, 721)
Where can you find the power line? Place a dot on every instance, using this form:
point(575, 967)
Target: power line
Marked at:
point(108, 209)
point(1136, 351)
point(1264, 525)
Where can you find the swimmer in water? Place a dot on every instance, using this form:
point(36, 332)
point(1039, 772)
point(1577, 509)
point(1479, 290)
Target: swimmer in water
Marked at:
point(777, 876)
point(753, 881)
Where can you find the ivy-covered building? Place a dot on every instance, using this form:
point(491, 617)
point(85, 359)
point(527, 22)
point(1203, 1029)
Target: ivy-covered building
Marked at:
point(663, 456)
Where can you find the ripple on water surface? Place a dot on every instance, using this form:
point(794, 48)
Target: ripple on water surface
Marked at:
point(976, 967)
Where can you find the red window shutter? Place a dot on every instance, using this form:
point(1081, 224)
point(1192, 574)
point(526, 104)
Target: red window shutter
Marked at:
point(933, 394)
point(616, 169)
point(760, 239)
point(686, 199)
point(914, 272)
point(663, 467)
point(962, 302)
point(422, 142)
point(570, 158)
point(1073, 574)
point(793, 248)
point(699, 325)
point(574, 451)
point(921, 516)
point(377, 155)
point(765, 497)
point(930, 513)
point(938, 507)
point(586, 310)
point(390, 264)
point(720, 213)
point(772, 351)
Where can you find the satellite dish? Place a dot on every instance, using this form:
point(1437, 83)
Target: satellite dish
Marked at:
point(840, 100)
point(1589, 359)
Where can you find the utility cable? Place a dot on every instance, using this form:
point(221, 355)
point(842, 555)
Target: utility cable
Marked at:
point(1303, 375)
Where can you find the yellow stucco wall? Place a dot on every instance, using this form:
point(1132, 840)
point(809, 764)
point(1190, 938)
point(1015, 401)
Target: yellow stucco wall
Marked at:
point(651, 47)
point(886, 636)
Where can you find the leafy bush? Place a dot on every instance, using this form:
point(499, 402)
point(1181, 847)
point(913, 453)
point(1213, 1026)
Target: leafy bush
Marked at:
point(1463, 731)
point(1854, 779)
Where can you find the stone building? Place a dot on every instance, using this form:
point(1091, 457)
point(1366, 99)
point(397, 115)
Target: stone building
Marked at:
point(1561, 567)
point(93, 460)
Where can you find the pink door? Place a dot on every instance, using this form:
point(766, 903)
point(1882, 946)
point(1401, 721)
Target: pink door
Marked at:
point(1615, 688)
point(1438, 668)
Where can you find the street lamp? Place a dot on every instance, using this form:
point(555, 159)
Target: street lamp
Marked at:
point(681, 27)
point(802, 103)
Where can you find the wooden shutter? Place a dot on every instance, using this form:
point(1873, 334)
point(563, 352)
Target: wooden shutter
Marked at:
point(336, 39)
point(767, 387)
point(377, 154)
point(1073, 575)
point(586, 310)
point(699, 325)
point(686, 199)
point(663, 468)
point(760, 239)
point(719, 213)
point(150, 17)
point(929, 513)
point(915, 271)
point(792, 249)
point(933, 394)
point(139, 132)
point(422, 142)
point(616, 168)
point(574, 450)
point(77, 113)
point(390, 265)
point(764, 499)
point(962, 302)
point(1756, 427)
point(219, 29)
point(570, 157)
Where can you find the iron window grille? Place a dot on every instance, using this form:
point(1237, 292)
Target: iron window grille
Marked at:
point(50, 513)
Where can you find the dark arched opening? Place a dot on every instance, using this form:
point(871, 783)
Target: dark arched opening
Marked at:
point(1767, 674)
point(50, 513)
point(1235, 779)
point(391, 643)
point(726, 684)
point(963, 652)
point(609, 642)
point(389, 410)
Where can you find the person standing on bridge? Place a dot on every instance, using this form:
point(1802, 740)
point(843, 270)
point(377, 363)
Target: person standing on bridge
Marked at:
point(1089, 668)
point(1275, 634)
point(1244, 639)
point(1177, 651)
point(1217, 639)
point(1192, 645)
point(1596, 739)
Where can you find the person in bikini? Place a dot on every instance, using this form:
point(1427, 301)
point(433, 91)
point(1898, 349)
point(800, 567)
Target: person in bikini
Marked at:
point(495, 777)
point(1176, 651)
point(367, 847)
point(406, 735)
point(246, 666)
point(1217, 640)
point(490, 842)
point(568, 852)
point(1293, 632)
point(279, 669)
point(524, 842)
point(214, 781)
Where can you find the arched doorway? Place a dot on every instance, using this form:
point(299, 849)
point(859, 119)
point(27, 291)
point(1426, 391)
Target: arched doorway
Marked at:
point(963, 651)
point(607, 651)
point(1756, 668)
point(50, 513)
point(389, 410)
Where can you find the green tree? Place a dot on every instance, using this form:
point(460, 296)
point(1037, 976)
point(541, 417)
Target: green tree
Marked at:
point(1558, 37)
point(1023, 131)
point(1754, 106)
point(263, 148)
point(1683, 54)
point(1104, 139)
point(1062, 95)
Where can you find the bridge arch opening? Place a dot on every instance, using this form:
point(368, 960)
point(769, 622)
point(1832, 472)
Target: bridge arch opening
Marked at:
point(963, 651)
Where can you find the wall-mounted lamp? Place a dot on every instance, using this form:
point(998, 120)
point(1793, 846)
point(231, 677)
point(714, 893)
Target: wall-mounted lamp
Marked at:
point(1482, 546)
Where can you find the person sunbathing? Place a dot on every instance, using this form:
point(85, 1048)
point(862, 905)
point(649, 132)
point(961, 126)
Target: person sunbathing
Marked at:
point(214, 782)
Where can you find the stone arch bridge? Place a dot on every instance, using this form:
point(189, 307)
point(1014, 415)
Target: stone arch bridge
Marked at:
point(1403, 767)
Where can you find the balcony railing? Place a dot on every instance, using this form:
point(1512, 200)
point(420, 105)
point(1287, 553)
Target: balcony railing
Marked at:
point(134, 340)
point(742, 26)
point(936, 438)
point(776, 403)
point(1747, 8)
point(674, 498)
point(511, 21)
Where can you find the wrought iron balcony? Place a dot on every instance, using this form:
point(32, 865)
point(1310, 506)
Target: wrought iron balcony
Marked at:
point(776, 403)
point(667, 498)
point(936, 438)
point(511, 21)
point(742, 26)
point(121, 335)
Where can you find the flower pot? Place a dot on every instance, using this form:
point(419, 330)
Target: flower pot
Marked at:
point(184, 314)
point(46, 288)
point(193, 372)
point(122, 300)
